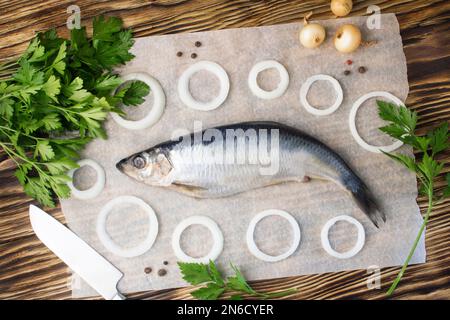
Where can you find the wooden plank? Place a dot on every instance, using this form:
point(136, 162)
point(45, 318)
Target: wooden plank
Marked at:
point(30, 271)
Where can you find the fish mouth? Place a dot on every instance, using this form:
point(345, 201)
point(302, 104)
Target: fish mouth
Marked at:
point(120, 164)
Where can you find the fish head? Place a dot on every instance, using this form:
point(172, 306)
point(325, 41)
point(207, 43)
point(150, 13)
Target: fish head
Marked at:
point(151, 167)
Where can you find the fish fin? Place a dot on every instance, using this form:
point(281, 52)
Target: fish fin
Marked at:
point(364, 199)
point(192, 190)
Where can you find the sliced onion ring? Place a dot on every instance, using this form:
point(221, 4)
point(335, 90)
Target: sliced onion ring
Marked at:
point(213, 228)
point(326, 242)
point(109, 244)
point(159, 102)
point(98, 186)
point(183, 86)
point(304, 92)
point(254, 250)
point(264, 65)
point(352, 122)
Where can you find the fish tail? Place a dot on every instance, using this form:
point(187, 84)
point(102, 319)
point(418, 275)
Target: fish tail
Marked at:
point(363, 197)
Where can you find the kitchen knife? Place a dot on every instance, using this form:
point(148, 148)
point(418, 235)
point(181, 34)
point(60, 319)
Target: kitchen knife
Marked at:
point(99, 273)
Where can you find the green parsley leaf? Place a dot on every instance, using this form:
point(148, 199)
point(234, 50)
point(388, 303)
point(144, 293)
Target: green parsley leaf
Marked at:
point(107, 82)
point(44, 150)
point(439, 138)
point(212, 291)
point(429, 167)
point(78, 38)
point(35, 50)
point(38, 189)
point(51, 122)
point(6, 108)
point(215, 274)
point(403, 120)
point(446, 192)
point(58, 167)
point(407, 161)
point(238, 282)
point(195, 273)
point(105, 28)
point(59, 65)
point(28, 75)
point(52, 87)
point(133, 93)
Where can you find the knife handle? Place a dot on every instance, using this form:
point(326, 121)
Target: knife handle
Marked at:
point(118, 296)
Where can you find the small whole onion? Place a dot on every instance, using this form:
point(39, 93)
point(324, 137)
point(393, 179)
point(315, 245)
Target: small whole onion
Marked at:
point(312, 35)
point(341, 8)
point(347, 38)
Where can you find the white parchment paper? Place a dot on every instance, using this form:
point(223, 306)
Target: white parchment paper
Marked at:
point(312, 204)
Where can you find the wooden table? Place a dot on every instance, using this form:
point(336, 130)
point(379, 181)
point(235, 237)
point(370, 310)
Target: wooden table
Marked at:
point(28, 270)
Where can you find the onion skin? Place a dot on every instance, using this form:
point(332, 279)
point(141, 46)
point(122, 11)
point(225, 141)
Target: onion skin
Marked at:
point(348, 38)
point(341, 8)
point(312, 35)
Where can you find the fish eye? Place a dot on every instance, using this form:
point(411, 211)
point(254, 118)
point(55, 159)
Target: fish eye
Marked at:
point(138, 162)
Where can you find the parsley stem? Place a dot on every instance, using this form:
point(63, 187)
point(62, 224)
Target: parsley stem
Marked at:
point(35, 164)
point(416, 242)
point(5, 96)
point(8, 151)
point(24, 134)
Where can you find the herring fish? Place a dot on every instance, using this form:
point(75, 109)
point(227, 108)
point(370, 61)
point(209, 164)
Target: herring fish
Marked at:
point(231, 159)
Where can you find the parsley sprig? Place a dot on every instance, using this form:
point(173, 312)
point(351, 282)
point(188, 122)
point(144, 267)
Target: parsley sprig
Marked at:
point(56, 100)
point(402, 126)
point(215, 285)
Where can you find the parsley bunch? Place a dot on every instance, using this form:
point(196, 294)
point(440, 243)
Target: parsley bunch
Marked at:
point(57, 100)
point(216, 285)
point(402, 126)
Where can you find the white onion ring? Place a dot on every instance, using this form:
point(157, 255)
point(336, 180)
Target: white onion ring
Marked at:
point(254, 250)
point(352, 122)
point(183, 86)
point(213, 228)
point(304, 92)
point(264, 65)
point(109, 244)
point(326, 242)
point(159, 102)
point(98, 186)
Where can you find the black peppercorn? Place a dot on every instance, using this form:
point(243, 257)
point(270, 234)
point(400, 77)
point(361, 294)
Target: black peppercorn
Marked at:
point(162, 272)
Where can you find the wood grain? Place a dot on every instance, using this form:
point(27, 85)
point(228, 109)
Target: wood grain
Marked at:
point(28, 270)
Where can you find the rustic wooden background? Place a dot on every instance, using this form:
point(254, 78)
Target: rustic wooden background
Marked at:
point(28, 270)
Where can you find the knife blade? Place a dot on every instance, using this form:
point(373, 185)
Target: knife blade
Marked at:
point(93, 268)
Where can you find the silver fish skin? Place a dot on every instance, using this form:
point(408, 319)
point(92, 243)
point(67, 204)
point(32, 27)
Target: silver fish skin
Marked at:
point(193, 167)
